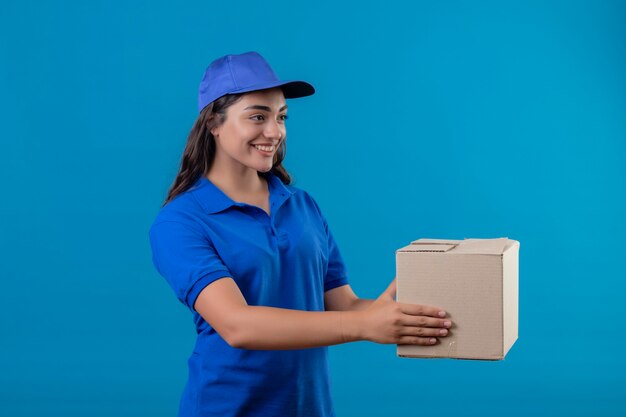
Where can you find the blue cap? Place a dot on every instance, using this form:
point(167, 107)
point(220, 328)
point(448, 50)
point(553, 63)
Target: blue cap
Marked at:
point(239, 73)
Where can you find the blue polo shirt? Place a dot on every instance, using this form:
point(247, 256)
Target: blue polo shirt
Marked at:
point(287, 259)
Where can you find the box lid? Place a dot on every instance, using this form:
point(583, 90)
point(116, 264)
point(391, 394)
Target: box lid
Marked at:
point(495, 246)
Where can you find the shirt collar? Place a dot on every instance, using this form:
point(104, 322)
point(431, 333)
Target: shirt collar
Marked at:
point(213, 200)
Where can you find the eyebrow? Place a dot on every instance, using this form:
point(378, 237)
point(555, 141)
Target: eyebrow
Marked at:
point(259, 107)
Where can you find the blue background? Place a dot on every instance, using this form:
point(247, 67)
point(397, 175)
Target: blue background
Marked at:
point(437, 119)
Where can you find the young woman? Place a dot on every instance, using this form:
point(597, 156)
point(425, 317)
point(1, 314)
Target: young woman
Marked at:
point(254, 260)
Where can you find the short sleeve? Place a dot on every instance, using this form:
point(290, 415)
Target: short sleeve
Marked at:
point(337, 273)
point(186, 259)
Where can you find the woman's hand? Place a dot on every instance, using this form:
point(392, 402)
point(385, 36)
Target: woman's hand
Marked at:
point(387, 321)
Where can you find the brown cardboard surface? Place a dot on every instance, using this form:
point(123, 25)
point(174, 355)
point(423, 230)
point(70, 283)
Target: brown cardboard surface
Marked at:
point(475, 281)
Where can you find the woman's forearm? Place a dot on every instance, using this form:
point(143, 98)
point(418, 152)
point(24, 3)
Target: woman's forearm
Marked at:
point(260, 327)
point(361, 304)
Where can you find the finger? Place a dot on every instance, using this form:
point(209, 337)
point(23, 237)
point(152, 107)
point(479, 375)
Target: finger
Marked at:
point(416, 340)
point(391, 289)
point(421, 310)
point(424, 321)
point(423, 331)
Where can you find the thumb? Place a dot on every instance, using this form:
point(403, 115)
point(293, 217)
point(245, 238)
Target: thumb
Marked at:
point(391, 290)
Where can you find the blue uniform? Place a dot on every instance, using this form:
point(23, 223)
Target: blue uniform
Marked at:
point(287, 259)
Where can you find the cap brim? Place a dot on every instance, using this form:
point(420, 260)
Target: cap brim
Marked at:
point(295, 89)
point(291, 88)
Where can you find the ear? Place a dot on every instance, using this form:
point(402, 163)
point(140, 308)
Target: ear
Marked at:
point(214, 131)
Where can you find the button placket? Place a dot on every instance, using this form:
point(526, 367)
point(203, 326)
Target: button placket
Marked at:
point(277, 198)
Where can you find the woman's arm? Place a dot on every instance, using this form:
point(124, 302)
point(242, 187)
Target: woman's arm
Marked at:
point(344, 299)
point(223, 306)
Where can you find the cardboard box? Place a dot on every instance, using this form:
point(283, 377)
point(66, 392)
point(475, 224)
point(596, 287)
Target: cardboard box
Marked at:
point(475, 281)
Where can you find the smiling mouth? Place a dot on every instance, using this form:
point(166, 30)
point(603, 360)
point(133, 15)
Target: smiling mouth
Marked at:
point(265, 148)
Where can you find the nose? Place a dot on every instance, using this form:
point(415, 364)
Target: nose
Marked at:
point(274, 130)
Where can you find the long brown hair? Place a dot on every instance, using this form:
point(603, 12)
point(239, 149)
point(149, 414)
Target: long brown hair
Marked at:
point(199, 152)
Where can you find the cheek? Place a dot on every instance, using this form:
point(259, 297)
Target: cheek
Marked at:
point(238, 140)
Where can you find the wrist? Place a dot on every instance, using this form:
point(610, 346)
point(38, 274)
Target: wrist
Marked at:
point(352, 326)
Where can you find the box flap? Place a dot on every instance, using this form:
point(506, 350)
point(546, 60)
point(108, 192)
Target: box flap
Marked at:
point(510, 244)
point(428, 247)
point(495, 246)
point(442, 241)
point(483, 246)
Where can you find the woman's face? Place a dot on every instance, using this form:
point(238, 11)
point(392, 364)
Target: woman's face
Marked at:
point(257, 119)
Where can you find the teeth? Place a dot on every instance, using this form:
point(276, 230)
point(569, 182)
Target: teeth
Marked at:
point(264, 148)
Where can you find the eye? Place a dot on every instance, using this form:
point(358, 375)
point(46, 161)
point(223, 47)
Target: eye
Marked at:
point(255, 117)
